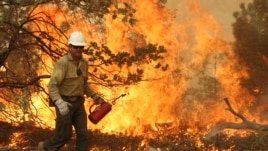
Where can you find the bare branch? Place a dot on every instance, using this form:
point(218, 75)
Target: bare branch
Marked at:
point(233, 111)
point(244, 125)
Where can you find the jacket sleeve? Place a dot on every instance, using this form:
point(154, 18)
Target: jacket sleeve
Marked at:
point(88, 90)
point(57, 77)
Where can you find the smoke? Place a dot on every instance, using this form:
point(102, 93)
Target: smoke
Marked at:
point(222, 11)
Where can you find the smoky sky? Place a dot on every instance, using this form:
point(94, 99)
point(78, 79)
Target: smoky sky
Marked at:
point(222, 10)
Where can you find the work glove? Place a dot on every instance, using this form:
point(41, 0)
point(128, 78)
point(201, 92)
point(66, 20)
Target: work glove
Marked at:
point(97, 99)
point(63, 106)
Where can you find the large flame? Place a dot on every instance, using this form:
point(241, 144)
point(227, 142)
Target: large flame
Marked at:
point(195, 47)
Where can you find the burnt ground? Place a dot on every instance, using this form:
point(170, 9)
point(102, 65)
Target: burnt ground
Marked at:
point(26, 138)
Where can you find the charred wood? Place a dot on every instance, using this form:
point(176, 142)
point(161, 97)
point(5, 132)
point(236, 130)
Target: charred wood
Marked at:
point(245, 124)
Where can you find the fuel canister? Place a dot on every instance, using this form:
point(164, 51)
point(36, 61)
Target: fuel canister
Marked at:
point(99, 112)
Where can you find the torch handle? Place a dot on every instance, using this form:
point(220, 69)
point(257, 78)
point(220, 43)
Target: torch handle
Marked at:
point(90, 108)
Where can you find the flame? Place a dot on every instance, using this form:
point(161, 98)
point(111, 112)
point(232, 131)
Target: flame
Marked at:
point(194, 42)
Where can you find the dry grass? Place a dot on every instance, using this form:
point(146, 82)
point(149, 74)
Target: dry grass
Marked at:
point(26, 137)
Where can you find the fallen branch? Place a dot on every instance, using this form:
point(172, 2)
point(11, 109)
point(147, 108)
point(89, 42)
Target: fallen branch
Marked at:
point(245, 124)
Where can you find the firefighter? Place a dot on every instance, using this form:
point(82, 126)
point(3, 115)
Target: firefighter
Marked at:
point(67, 86)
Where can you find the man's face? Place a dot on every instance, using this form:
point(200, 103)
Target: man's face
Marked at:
point(76, 51)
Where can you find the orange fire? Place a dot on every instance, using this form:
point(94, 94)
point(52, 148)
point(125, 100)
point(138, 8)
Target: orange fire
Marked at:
point(195, 47)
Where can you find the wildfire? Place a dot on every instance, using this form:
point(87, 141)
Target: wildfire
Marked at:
point(197, 55)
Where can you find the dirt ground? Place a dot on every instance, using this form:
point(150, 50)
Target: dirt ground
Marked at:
point(26, 138)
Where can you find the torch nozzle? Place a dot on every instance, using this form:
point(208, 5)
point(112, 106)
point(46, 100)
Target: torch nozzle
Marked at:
point(122, 95)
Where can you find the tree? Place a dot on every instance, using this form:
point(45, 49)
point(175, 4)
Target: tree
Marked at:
point(251, 36)
point(250, 30)
point(31, 37)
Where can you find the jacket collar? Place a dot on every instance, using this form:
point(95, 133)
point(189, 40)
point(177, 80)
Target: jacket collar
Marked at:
point(69, 56)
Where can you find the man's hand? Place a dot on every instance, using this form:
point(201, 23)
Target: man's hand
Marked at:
point(97, 99)
point(63, 106)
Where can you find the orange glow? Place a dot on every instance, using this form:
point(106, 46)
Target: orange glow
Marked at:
point(193, 40)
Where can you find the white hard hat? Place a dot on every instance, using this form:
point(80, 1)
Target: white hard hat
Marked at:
point(77, 39)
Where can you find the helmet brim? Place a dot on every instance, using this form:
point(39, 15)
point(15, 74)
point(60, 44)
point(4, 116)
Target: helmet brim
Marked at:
point(77, 44)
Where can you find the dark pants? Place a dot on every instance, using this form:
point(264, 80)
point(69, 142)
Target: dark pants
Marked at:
point(77, 117)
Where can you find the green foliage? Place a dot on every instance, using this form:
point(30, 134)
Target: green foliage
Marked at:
point(128, 14)
point(102, 57)
point(251, 46)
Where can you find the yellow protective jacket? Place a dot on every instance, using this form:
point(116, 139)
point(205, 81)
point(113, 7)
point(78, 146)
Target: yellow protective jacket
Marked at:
point(66, 81)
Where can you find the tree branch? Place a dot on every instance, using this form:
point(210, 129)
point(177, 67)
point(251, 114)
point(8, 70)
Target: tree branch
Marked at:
point(245, 124)
point(23, 85)
point(233, 111)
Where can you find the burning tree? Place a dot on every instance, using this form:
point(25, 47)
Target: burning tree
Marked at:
point(251, 35)
point(34, 37)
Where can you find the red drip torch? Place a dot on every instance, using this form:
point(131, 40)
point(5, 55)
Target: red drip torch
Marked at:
point(101, 110)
